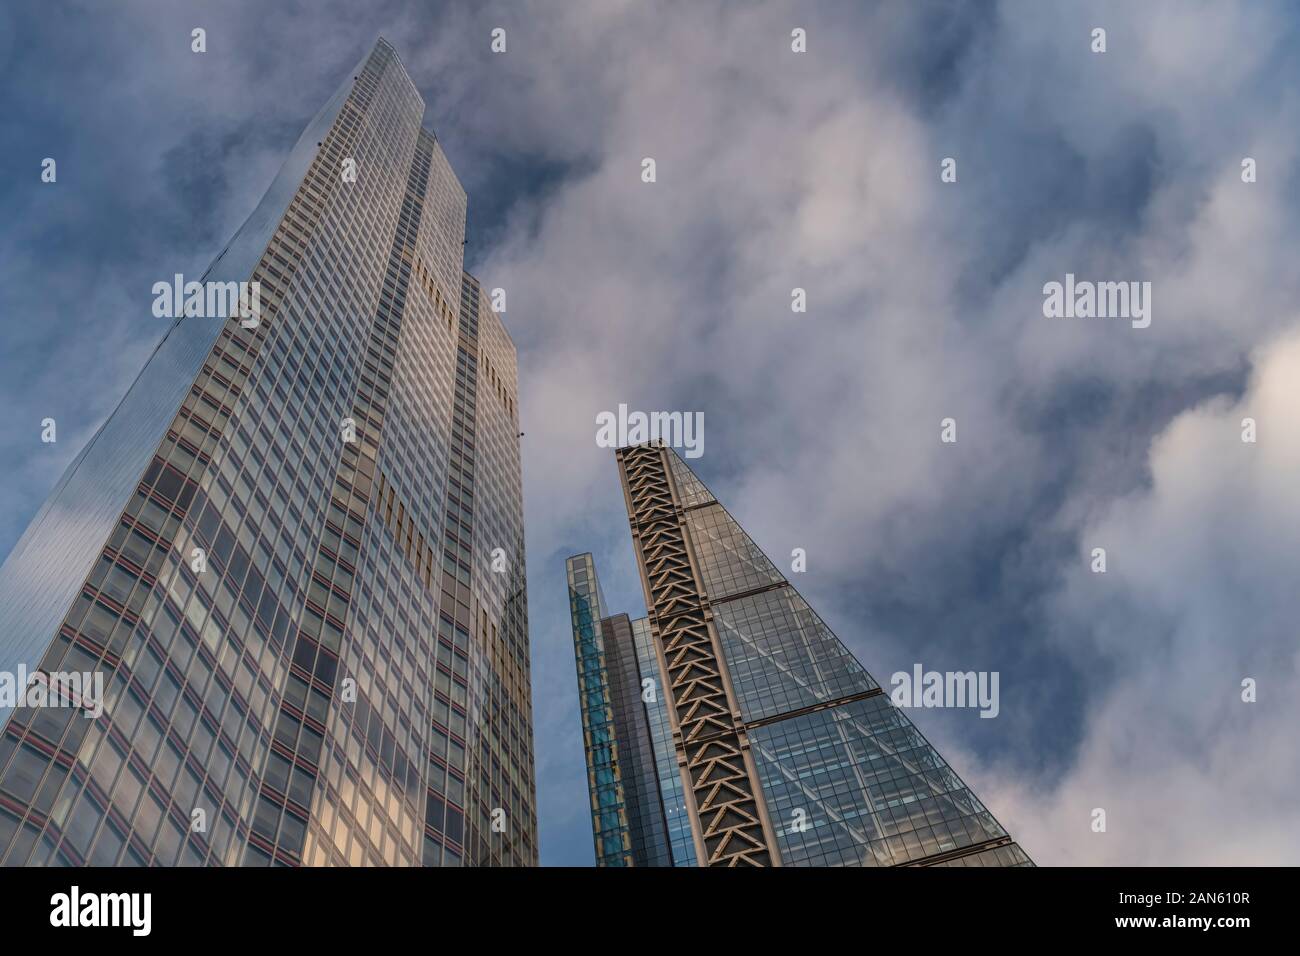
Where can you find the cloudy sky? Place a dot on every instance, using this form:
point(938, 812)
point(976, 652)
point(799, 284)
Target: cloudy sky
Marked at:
point(818, 170)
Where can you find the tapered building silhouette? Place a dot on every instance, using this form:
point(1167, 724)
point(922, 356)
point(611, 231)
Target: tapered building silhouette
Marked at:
point(294, 550)
point(730, 727)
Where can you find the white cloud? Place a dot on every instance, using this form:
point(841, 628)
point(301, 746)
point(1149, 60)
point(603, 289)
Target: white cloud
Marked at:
point(778, 170)
point(1199, 594)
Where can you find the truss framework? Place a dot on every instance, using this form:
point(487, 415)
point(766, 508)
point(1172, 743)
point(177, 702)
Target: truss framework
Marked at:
point(724, 800)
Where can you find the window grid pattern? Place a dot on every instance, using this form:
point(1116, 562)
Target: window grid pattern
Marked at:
point(858, 785)
point(781, 657)
point(501, 820)
point(222, 642)
point(854, 783)
point(383, 782)
point(609, 822)
point(195, 659)
point(672, 794)
point(728, 560)
point(647, 825)
point(690, 489)
point(1009, 855)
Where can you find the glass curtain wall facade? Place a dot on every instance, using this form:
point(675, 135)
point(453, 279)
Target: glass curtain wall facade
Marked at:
point(626, 736)
point(609, 817)
point(294, 551)
point(770, 743)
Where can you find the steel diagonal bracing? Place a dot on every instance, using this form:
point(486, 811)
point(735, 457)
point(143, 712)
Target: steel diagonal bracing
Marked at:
point(726, 804)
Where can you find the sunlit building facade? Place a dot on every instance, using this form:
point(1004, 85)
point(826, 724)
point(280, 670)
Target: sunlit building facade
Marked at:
point(294, 551)
point(731, 727)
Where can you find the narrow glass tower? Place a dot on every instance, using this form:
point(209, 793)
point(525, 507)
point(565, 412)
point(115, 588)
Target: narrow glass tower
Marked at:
point(730, 727)
point(294, 551)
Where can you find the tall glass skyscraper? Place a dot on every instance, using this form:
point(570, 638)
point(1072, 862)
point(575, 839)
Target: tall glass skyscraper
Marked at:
point(730, 727)
point(295, 550)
